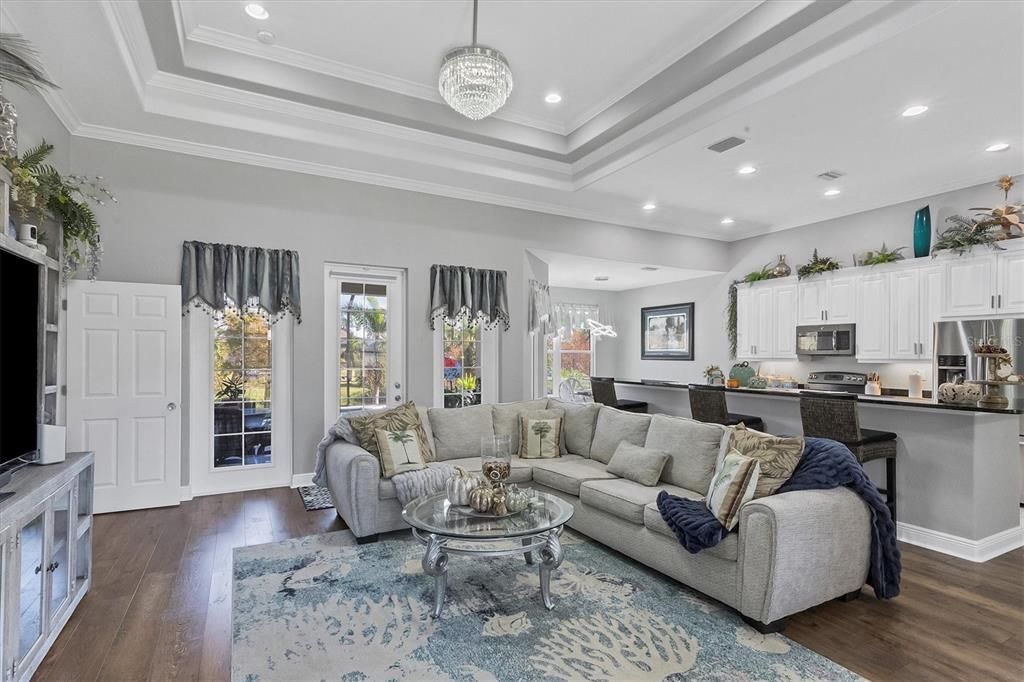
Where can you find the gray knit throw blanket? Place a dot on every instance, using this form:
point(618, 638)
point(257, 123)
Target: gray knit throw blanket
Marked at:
point(413, 484)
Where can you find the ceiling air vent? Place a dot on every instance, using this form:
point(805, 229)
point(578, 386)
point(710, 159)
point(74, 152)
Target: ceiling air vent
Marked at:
point(726, 144)
point(831, 175)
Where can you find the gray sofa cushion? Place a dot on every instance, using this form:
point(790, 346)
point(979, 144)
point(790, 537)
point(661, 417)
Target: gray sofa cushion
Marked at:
point(457, 432)
point(624, 498)
point(522, 469)
point(615, 426)
point(642, 465)
point(579, 423)
point(568, 472)
point(727, 549)
point(506, 418)
point(693, 448)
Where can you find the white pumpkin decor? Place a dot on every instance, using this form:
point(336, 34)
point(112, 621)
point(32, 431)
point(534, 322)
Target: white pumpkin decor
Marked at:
point(959, 393)
point(459, 486)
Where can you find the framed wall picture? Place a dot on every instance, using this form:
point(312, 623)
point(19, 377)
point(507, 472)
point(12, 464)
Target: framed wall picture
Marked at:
point(666, 332)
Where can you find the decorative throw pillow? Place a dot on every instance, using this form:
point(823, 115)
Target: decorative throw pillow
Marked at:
point(778, 456)
point(643, 465)
point(540, 434)
point(733, 484)
point(399, 451)
point(402, 418)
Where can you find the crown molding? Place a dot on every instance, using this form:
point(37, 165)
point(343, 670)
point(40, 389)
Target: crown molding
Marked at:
point(191, 148)
point(132, 41)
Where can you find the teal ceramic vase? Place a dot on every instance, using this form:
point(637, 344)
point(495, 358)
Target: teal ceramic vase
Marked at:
point(922, 232)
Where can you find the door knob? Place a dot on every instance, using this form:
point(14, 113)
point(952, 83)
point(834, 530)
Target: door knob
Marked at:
point(398, 397)
point(398, 385)
point(171, 407)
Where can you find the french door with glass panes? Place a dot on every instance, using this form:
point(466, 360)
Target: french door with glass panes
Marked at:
point(364, 346)
point(240, 392)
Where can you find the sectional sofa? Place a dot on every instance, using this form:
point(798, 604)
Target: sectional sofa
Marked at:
point(792, 551)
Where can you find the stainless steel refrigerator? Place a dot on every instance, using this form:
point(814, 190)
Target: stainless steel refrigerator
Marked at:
point(953, 356)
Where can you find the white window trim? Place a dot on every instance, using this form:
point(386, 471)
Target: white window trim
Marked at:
point(333, 272)
point(204, 479)
point(489, 365)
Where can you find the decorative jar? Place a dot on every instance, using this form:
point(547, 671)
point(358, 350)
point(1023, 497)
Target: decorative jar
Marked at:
point(496, 458)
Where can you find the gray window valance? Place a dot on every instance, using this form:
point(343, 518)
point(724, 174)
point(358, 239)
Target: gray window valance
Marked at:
point(220, 277)
point(462, 294)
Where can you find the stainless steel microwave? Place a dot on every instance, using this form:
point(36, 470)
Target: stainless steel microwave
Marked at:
point(826, 339)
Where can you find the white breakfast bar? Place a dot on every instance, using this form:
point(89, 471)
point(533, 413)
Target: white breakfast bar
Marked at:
point(958, 468)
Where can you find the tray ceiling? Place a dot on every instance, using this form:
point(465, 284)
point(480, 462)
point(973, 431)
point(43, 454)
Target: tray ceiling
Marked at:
point(348, 90)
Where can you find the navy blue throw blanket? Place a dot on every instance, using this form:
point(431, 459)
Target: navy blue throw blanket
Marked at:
point(824, 464)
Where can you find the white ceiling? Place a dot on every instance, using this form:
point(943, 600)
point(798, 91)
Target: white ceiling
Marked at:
point(578, 272)
point(348, 91)
point(592, 58)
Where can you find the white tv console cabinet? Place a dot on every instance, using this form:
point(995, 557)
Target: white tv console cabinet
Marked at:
point(45, 558)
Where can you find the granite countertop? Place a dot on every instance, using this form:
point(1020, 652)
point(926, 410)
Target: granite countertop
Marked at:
point(1016, 407)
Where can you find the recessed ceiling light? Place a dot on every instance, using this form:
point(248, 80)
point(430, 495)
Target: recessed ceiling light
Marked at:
point(727, 221)
point(552, 98)
point(832, 192)
point(265, 37)
point(649, 268)
point(649, 206)
point(601, 278)
point(997, 147)
point(746, 170)
point(257, 11)
point(915, 110)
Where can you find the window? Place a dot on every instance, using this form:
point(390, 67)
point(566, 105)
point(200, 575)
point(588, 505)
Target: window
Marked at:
point(569, 360)
point(362, 344)
point(569, 354)
point(364, 356)
point(242, 378)
point(467, 363)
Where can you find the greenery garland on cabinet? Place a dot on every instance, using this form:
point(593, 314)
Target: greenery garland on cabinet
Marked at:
point(817, 265)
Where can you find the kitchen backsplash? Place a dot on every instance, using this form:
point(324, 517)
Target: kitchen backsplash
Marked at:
point(893, 374)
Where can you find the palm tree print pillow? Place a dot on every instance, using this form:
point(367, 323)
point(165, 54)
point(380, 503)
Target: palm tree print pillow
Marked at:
point(396, 419)
point(540, 434)
point(732, 485)
point(399, 451)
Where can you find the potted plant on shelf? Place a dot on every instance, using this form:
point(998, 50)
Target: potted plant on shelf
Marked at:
point(817, 265)
point(987, 228)
point(884, 255)
point(39, 190)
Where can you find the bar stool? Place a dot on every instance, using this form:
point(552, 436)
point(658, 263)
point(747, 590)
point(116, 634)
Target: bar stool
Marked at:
point(708, 404)
point(834, 415)
point(603, 389)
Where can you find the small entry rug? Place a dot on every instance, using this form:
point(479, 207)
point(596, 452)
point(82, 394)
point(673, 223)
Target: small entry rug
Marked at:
point(322, 607)
point(314, 497)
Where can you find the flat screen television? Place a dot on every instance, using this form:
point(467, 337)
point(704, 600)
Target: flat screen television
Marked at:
point(19, 374)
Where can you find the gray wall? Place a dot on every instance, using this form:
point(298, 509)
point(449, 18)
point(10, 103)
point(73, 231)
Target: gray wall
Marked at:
point(839, 238)
point(166, 198)
point(36, 122)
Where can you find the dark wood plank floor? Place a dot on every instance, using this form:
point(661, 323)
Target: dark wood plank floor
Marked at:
point(160, 604)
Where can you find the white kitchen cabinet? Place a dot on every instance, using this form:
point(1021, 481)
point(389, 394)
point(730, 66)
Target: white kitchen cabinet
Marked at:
point(985, 285)
point(872, 316)
point(766, 321)
point(784, 305)
point(915, 304)
point(1010, 294)
point(970, 286)
point(827, 299)
point(931, 292)
point(744, 312)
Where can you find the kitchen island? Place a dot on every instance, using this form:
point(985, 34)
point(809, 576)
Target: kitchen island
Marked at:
point(958, 467)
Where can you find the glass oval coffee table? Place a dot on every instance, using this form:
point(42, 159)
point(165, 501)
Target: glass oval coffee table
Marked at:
point(446, 529)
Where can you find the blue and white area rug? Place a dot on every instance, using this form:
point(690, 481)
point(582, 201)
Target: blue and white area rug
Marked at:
point(322, 607)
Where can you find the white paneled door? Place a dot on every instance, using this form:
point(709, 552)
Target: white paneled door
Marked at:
point(124, 385)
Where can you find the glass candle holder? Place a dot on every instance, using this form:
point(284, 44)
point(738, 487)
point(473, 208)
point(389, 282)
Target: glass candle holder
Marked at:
point(496, 458)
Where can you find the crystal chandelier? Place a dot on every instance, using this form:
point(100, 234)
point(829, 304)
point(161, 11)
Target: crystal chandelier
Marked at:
point(475, 80)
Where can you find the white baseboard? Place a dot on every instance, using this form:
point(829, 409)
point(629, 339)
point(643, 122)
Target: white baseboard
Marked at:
point(186, 493)
point(300, 480)
point(954, 545)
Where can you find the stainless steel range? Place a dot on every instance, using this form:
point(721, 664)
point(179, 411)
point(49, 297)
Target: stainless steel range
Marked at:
point(843, 382)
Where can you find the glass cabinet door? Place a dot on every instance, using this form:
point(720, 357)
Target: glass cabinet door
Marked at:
point(33, 574)
point(60, 551)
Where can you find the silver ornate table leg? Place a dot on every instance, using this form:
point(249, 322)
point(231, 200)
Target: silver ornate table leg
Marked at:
point(550, 559)
point(435, 563)
point(528, 555)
